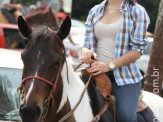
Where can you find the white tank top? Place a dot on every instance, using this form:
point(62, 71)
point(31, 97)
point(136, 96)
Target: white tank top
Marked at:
point(106, 38)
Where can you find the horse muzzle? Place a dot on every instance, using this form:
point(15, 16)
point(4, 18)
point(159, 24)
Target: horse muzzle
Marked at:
point(30, 113)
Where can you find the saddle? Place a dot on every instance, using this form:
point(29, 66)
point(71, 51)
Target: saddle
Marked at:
point(104, 87)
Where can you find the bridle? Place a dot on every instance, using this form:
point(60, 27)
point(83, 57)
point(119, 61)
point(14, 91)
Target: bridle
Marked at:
point(54, 85)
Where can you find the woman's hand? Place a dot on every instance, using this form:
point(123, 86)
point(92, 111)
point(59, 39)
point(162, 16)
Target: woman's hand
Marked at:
point(87, 56)
point(98, 68)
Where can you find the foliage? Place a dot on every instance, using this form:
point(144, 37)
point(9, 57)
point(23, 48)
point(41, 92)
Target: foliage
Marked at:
point(81, 8)
point(151, 7)
point(26, 2)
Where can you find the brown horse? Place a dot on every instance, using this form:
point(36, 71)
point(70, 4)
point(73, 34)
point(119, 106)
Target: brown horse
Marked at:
point(47, 91)
point(46, 17)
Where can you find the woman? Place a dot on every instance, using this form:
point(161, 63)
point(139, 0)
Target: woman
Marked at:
point(116, 37)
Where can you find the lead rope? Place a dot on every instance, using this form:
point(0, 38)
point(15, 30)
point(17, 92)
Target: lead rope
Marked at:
point(81, 97)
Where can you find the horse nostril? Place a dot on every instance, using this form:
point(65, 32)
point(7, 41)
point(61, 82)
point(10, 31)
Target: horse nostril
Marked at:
point(38, 111)
point(30, 113)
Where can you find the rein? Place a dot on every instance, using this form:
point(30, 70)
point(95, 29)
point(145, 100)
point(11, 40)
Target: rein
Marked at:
point(80, 99)
point(101, 112)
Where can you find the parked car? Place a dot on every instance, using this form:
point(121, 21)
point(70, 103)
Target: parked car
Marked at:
point(10, 37)
point(10, 78)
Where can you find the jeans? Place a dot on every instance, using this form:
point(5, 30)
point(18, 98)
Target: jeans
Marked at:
point(126, 99)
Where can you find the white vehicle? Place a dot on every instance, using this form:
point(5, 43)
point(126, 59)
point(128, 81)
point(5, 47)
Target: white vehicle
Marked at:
point(11, 67)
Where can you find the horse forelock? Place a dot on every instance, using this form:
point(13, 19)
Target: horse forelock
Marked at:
point(43, 32)
point(44, 17)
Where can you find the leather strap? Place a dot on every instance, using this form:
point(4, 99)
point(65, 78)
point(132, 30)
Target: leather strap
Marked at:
point(102, 111)
point(37, 77)
point(81, 97)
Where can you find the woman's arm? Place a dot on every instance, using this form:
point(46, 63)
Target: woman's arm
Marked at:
point(127, 58)
point(100, 67)
point(13, 6)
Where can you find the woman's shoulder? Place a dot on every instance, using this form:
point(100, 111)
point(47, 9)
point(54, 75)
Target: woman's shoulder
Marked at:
point(97, 7)
point(138, 8)
point(139, 11)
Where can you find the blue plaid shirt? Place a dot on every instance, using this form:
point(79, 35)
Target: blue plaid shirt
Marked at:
point(131, 36)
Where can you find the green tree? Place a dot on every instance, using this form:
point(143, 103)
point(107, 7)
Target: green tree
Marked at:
point(151, 7)
point(154, 76)
point(26, 2)
point(81, 8)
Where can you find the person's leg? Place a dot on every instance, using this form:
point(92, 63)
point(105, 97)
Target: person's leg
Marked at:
point(10, 17)
point(126, 100)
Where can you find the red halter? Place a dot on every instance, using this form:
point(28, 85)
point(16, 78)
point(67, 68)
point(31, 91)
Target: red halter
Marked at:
point(37, 77)
point(47, 81)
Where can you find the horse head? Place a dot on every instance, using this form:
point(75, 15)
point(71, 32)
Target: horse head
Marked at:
point(43, 58)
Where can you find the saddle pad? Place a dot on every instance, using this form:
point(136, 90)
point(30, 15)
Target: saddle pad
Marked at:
point(141, 106)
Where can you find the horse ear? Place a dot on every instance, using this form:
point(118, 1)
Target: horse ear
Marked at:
point(65, 28)
point(23, 27)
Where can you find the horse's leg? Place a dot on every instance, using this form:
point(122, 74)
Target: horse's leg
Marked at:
point(146, 115)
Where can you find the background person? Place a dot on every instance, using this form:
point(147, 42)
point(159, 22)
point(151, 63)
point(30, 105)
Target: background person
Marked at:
point(116, 37)
point(32, 10)
point(10, 10)
point(60, 18)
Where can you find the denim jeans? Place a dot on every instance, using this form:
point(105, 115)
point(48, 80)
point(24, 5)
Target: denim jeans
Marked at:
point(126, 99)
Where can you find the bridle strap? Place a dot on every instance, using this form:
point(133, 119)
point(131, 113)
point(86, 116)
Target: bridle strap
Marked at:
point(57, 78)
point(37, 77)
point(47, 81)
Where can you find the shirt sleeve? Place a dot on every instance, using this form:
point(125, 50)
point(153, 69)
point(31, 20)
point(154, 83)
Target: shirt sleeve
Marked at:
point(138, 38)
point(88, 24)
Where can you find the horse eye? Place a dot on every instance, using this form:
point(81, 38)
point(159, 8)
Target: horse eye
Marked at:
point(57, 62)
point(22, 56)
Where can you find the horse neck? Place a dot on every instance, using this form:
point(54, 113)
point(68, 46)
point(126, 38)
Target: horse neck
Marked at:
point(72, 90)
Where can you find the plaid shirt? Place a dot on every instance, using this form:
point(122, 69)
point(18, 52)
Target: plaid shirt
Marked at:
point(131, 36)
